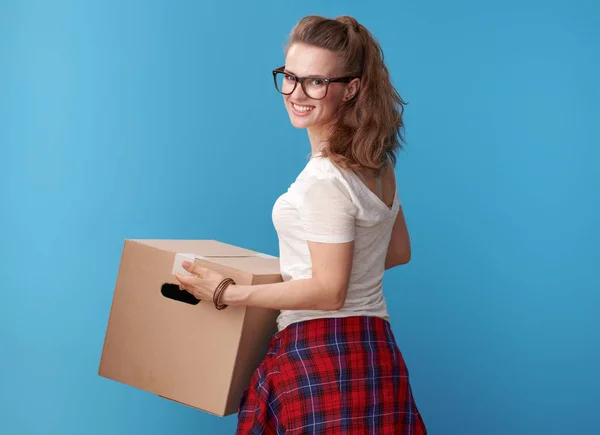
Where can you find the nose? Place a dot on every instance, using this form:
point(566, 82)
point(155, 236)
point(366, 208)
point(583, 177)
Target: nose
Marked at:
point(298, 93)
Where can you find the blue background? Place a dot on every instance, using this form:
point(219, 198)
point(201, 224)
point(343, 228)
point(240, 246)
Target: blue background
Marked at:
point(140, 119)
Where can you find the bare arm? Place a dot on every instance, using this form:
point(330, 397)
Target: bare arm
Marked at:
point(326, 290)
point(327, 216)
point(399, 251)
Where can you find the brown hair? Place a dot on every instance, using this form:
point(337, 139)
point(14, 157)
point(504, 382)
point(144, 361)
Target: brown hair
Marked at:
point(367, 130)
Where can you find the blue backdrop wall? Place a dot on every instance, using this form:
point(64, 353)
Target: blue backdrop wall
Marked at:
point(148, 119)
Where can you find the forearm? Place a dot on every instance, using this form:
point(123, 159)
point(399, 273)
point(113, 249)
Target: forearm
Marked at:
point(301, 294)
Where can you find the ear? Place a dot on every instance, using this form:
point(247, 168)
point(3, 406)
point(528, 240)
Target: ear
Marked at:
point(352, 89)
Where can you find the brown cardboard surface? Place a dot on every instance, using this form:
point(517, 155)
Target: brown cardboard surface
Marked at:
point(189, 353)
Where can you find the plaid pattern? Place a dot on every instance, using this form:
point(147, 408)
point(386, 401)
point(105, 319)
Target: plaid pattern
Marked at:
point(333, 376)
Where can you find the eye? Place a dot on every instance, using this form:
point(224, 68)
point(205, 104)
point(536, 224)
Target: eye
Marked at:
point(290, 78)
point(317, 82)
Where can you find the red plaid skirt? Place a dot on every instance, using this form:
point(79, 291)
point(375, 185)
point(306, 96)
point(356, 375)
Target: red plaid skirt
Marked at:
point(333, 376)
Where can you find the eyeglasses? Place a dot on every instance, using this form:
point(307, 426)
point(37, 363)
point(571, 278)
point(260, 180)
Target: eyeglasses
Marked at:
point(314, 87)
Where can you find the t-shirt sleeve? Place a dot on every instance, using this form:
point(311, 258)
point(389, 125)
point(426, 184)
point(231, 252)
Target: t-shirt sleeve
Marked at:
point(327, 212)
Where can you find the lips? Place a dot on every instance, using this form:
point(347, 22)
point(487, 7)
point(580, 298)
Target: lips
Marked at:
point(301, 109)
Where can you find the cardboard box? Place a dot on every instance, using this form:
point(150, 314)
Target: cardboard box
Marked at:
point(186, 350)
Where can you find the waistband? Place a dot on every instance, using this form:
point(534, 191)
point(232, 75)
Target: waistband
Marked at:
point(328, 330)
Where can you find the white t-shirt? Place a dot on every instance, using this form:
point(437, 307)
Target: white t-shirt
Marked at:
point(333, 205)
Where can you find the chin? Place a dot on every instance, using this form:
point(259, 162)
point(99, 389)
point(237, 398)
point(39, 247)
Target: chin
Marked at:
point(300, 122)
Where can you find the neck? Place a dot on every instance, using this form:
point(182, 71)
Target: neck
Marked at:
point(317, 139)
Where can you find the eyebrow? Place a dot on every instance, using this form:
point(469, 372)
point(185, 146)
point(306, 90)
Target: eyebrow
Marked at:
point(317, 76)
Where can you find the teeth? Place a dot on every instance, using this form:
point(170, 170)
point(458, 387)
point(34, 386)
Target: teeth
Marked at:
point(302, 108)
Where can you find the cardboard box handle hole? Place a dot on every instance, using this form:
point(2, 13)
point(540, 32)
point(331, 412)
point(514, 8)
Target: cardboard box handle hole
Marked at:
point(172, 291)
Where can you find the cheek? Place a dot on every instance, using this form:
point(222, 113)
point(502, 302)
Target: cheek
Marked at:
point(329, 105)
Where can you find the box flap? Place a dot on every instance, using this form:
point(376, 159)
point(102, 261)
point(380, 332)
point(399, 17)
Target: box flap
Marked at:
point(202, 248)
point(215, 252)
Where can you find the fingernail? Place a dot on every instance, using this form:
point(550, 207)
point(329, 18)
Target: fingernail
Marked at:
point(186, 264)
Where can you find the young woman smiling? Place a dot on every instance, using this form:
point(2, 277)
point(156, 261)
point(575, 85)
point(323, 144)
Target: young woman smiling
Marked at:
point(334, 366)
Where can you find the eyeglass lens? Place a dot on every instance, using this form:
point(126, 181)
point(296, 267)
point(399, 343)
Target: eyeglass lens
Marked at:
point(313, 87)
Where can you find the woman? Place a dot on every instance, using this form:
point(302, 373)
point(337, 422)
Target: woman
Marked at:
point(334, 366)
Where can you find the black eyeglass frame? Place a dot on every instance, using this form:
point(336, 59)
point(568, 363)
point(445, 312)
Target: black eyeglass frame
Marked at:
point(327, 80)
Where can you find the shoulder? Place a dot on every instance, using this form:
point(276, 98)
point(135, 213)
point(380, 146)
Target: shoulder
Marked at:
point(321, 172)
point(323, 183)
point(322, 169)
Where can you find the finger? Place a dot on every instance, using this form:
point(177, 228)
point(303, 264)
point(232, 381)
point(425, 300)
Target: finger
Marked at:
point(193, 268)
point(184, 280)
point(193, 292)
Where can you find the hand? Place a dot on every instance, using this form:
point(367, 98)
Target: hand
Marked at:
point(203, 282)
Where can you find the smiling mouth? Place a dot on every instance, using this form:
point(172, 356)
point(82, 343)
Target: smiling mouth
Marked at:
point(302, 109)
